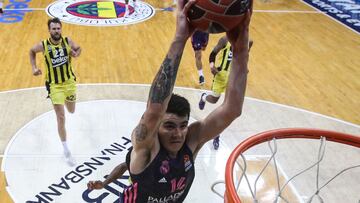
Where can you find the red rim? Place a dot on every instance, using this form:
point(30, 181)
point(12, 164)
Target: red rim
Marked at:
point(306, 133)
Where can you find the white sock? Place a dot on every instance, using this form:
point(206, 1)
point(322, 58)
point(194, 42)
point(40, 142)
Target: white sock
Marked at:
point(203, 97)
point(1, 5)
point(201, 72)
point(66, 149)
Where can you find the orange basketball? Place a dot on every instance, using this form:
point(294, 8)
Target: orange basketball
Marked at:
point(216, 16)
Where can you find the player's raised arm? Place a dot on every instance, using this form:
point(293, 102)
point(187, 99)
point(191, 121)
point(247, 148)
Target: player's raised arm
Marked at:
point(231, 108)
point(143, 136)
point(234, 96)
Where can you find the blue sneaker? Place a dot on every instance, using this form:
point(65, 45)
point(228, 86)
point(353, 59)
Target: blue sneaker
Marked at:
point(201, 102)
point(216, 142)
point(201, 80)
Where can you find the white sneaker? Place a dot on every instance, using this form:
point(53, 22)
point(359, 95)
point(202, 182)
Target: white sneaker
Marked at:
point(69, 159)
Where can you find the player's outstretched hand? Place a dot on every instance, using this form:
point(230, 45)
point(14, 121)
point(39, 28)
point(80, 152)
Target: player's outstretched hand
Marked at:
point(183, 28)
point(239, 36)
point(95, 185)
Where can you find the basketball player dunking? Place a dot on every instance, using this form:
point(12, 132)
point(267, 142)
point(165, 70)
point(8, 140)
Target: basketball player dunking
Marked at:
point(161, 162)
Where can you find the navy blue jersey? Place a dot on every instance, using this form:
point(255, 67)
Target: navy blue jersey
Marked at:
point(199, 40)
point(164, 180)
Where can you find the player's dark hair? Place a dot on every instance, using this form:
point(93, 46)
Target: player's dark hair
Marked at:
point(179, 106)
point(53, 20)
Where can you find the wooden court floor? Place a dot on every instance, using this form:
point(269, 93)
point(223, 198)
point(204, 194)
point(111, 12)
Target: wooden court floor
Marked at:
point(301, 59)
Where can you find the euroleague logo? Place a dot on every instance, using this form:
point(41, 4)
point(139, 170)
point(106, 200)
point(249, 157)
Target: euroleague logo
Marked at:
point(99, 13)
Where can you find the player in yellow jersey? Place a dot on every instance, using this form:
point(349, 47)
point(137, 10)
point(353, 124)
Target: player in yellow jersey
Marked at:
point(221, 71)
point(60, 78)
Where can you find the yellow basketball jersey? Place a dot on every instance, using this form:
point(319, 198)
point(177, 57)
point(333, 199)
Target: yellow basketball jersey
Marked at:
point(223, 64)
point(224, 58)
point(58, 61)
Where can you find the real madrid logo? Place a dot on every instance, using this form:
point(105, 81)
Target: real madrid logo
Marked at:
point(99, 13)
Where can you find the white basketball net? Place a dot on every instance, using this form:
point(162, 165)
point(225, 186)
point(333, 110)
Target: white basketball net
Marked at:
point(320, 181)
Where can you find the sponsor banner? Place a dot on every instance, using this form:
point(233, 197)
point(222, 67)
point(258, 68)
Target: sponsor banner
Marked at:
point(345, 11)
point(100, 13)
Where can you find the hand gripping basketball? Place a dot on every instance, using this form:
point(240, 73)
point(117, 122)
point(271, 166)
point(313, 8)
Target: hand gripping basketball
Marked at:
point(216, 16)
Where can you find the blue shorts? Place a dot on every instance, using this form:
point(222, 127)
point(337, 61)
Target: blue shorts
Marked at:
point(199, 40)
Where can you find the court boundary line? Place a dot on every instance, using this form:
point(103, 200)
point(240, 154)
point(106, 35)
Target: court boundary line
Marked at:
point(288, 11)
point(23, 9)
point(14, 137)
point(199, 90)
